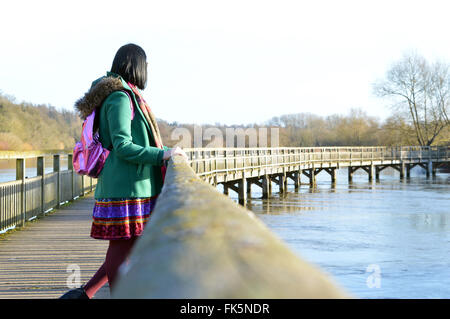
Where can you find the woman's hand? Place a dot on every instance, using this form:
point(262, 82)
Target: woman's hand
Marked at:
point(174, 151)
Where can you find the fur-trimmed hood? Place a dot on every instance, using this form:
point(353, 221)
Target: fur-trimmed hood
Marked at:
point(98, 92)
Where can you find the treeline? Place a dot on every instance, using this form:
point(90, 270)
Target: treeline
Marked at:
point(309, 130)
point(25, 127)
point(39, 127)
point(353, 129)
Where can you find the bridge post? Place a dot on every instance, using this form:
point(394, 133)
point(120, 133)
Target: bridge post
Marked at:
point(333, 173)
point(57, 169)
point(402, 170)
point(430, 162)
point(312, 179)
point(408, 171)
point(280, 181)
point(433, 169)
point(266, 189)
point(377, 173)
point(249, 187)
point(242, 189)
point(350, 174)
point(284, 180)
point(300, 177)
point(429, 168)
point(371, 169)
point(225, 189)
point(70, 168)
point(20, 175)
point(40, 171)
point(297, 181)
point(270, 184)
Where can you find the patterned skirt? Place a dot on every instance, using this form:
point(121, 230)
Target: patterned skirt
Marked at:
point(121, 218)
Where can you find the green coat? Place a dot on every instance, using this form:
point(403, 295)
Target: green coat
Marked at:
point(133, 166)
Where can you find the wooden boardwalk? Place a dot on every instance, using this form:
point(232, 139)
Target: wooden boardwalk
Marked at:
point(34, 260)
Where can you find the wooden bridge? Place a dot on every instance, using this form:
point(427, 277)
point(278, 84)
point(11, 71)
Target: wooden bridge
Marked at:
point(237, 169)
point(183, 233)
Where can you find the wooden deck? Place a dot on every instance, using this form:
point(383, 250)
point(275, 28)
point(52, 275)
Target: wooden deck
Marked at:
point(34, 260)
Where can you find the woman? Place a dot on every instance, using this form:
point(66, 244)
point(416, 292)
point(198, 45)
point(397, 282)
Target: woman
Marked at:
point(132, 177)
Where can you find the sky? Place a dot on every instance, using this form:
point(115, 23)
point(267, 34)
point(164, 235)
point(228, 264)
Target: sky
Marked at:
point(228, 62)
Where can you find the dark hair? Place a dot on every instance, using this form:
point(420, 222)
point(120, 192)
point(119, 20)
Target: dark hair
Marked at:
point(130, 63)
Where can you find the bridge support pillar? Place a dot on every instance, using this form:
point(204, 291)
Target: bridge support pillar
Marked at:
point(297, 179)
point(402, 170)
point(351, 170)
point(371, 172)
point(266, 189)
point(377, 173)
point(249, 188)
point(429, 168)
point(312, 180)
point(242, 189)
point(282, 182)
point(225, 189)
point(434, 167)
point(334, 175)
point(408, 170)
point(270, 185)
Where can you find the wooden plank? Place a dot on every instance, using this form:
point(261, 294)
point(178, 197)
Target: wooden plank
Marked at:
point(34, 261)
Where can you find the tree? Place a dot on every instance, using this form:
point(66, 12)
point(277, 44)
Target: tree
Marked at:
point(421, 95)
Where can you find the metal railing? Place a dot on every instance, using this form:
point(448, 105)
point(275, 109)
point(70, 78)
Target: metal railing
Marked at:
point(26, 198)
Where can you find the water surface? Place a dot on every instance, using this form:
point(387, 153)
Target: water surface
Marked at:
point(387, 239)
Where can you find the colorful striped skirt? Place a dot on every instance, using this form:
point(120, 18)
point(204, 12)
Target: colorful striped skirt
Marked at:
point(121, 218)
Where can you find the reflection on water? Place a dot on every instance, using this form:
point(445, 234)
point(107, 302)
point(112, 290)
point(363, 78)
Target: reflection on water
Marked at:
point(401, 227)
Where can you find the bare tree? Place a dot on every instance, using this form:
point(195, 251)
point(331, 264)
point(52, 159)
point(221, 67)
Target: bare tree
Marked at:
point(421, 94)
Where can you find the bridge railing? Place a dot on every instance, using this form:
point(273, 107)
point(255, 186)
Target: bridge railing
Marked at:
point(26, 197)
point(206, 161)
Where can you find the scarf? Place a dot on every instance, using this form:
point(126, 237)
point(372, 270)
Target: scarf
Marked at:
point(151, 120)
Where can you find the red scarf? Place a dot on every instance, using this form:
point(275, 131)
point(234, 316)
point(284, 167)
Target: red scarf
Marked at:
point(151, 120)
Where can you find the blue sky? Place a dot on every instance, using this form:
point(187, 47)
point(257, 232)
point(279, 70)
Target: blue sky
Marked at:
point(220, 61)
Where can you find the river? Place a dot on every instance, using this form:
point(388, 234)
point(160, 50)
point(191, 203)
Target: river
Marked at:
point(386, 239)
point(8, 168)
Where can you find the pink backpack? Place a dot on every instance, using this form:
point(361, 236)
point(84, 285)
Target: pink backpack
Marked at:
point(89, 155)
